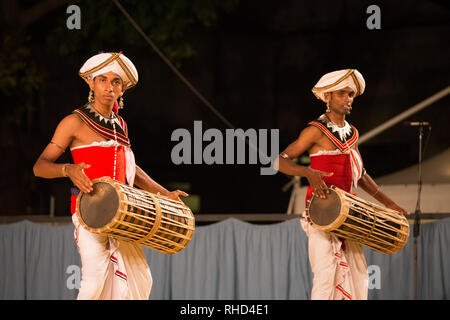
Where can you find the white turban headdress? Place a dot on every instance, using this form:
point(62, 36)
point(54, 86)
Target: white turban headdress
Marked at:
point(111, 61)
point(337, 80)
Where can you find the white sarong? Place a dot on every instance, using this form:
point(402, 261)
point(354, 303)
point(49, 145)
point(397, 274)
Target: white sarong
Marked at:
point(338, 274)
point(111, 269)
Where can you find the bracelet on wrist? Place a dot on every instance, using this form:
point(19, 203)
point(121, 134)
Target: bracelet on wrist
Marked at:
point(284, 155)
point(64, 170)
point(378, 190)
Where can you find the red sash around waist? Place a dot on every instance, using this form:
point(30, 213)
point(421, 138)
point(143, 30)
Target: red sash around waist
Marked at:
point(339, 165)
point(101, 160)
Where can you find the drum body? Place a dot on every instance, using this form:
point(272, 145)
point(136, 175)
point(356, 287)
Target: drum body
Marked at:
point(126, 213)
point(349, 217)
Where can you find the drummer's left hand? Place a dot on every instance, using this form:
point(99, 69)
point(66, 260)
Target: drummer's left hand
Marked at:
point(175, 195)
point(396, 207)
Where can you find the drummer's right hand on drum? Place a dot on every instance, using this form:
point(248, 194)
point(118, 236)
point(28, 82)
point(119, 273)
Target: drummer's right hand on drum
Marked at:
point(397, 208)
point(315, 179)
point(175, 195)
point(76, 173)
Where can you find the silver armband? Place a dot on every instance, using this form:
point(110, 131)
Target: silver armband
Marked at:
point(284, 155)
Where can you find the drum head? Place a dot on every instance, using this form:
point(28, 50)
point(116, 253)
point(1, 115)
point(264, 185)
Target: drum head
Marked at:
point(323, 212)
point(99, 207)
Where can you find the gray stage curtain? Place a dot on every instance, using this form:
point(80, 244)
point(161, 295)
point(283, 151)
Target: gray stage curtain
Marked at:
point(236, 260)
point(231, 259)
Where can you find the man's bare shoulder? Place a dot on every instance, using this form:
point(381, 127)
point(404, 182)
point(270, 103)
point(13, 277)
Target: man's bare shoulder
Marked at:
point(73, 118)
point(310, 132)
point(72, 121)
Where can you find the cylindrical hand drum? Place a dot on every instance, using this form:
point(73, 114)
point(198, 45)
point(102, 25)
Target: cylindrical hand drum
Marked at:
point(349, 217)
point(135, 215)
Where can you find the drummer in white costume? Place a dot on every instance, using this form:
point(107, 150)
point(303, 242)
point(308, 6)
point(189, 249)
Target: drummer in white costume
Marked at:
point(339, 267)
point(98, 139)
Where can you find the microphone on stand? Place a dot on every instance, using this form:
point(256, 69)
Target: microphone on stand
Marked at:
point(416, 123)
point(417, 213)
point(419, 123)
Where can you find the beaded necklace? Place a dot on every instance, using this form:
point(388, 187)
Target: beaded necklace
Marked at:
point(115, 149)
point(113, 120)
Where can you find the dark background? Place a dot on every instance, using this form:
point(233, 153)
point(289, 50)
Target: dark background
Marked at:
point(255, 61)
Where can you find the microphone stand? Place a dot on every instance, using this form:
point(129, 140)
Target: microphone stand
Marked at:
point(295, 183)
point(417, 212)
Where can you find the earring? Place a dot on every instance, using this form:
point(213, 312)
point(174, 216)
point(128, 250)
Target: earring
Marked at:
point(91, 96)
point(121, 102)
point(328, 106)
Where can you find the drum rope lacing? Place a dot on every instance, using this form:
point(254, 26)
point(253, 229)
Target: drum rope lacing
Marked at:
point(374, 222)
point(157, 223)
